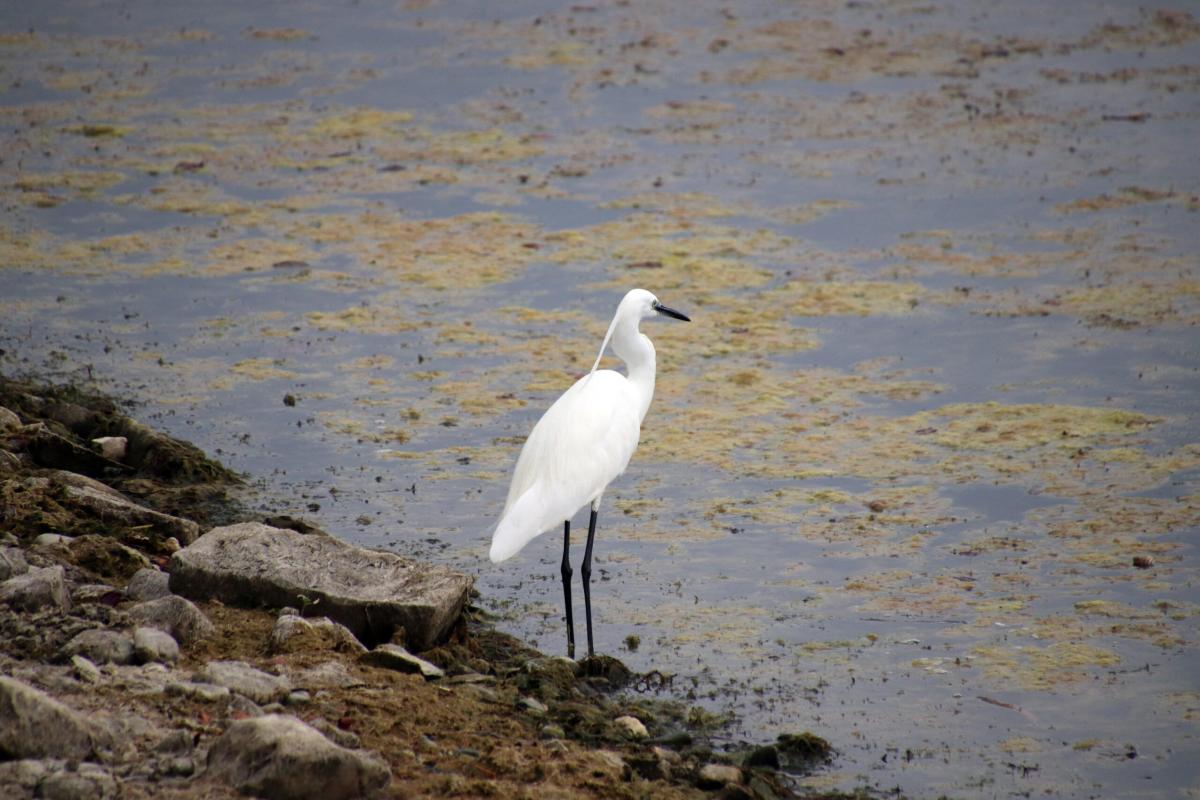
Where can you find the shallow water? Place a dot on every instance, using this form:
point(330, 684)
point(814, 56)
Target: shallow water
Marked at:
point(939, 390)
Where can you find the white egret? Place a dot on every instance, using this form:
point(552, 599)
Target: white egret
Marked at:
point(582, 442)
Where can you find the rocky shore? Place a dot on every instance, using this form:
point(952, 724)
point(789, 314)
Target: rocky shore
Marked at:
point(157, 642)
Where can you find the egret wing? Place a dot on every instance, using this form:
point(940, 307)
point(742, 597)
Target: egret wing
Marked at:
point(582, 442)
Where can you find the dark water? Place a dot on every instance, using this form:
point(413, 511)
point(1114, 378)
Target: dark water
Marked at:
point(959, 618)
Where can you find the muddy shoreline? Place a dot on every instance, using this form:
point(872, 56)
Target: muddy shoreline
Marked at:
point(95, 505)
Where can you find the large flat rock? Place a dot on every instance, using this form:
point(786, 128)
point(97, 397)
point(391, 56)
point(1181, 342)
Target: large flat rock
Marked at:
point(35, 725)
point(370, 592)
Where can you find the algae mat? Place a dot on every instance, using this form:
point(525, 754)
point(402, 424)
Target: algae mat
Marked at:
point(921, 476)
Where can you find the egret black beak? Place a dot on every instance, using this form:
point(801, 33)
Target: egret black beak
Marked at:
point(670, 312)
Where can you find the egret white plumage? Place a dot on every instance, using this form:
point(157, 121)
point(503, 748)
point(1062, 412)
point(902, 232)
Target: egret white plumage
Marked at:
point(582, 442)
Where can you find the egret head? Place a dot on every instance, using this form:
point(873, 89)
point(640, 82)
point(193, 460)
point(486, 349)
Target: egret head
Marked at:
point(641, 304)
point(637, 305)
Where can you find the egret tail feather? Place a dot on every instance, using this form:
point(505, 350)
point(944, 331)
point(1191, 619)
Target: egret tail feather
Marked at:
point(525, 520)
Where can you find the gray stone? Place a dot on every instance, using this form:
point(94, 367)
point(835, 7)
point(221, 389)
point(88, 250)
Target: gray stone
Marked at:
point(85, 669)
point(111, 505)
point(632, 727)
point(51, 539)
point(147, 584)
point(714, 776)
point(178, 742)
point(393, 656)
point(35, 725)
point(151, 644)
point(179, 766)
point(38, 589)
point(532, 705)
point(19, 779)
point(240, 677)
point(87, 782)
point(176, 616)
point(198, 690)
point(101, 646)
point(293, 633)
point(12, 562)
point(326, 675)
point(298, 697)
point(240, 704)
point(86, 593)
point(372, 593)
point(280, 757)
point(113, 447)
point(9, 421)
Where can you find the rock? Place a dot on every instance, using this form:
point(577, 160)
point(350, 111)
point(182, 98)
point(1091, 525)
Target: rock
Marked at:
point(147, 584)
point(764, 756)
point(199, 690)
point(106, 557)
point(12, 562)
point(297, 697)
point(51, 539)
point(293, 634)
point(85, 670)
point(372, 593)
point(20, 779)
point(9, 421)
point(35, 725)
point(176, 616)
point(241, 705)
point(550, 678)
point(801, 750)
point(101, 646)
point(240, 677)
point(714, 776)
point(112, 507)
point(280, 757)
point(103, 593)
point(326, 675)
point(177, 742)
point(552, 731)
point(393, 656)
point(631, 727)
point(532, 705)
point(86, 782)
point(610, 766)
point(113, 447)
point(151, 644)
point(39, 588)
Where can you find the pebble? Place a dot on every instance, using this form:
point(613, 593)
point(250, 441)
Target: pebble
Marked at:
point(147, 584)
point(240, 677)
point(199, 690)
point(12, 563)
point(632, 726)
point(38, 589)
point(112, 447)
point(297, 697)
point(532, 705)
point(151, 644)
point(714, 776)
point(393, 656)
point(85, 670)
point(101, 646)
point(51, 539)
point(553, 731)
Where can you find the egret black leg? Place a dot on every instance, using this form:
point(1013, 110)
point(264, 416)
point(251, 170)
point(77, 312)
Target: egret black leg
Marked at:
point(586, 573)
point(566, 578)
